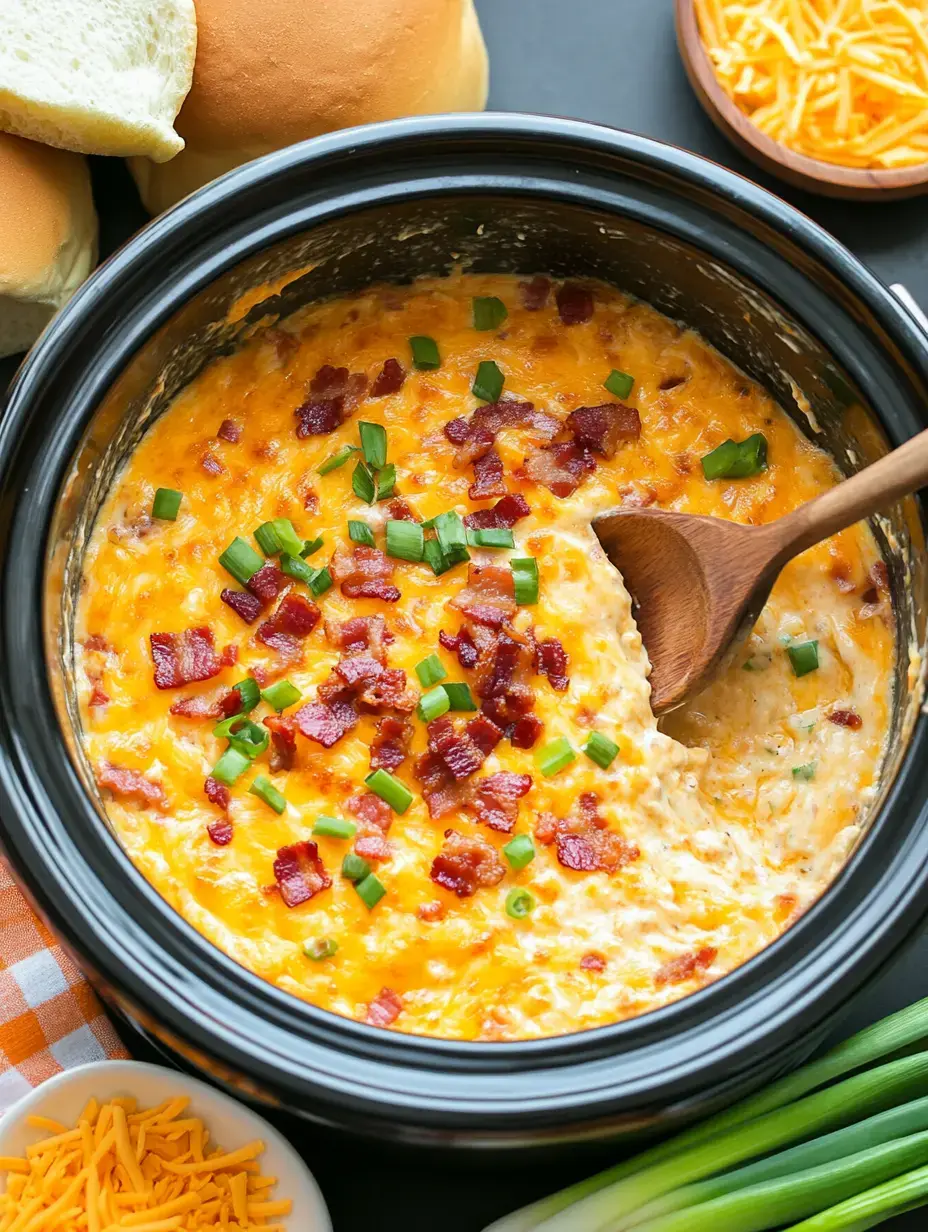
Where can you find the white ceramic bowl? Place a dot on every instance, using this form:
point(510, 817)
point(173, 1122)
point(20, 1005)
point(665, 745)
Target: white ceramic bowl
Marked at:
point(230, 1123)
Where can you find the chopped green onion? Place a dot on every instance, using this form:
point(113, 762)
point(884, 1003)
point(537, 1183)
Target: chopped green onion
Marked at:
point(619, 383)
point(166, 504)
point(310, 546)
point(489, 381)
point(804, 657)
point(250, 740)
point(405, 540)
point(334, 827)
point(460, 697)
point(519, 903)
point(430, 671)
point(806, 772)
point(266, 539)
point(321, 582)
point(554, 756)
point(435, 557)
point(601, 749)
point(362, 484)
point(373, 444)
point(360, 532)
point(429, 525)
point(337, 459)
point(223, 730)
point(230, 766)
point(281, 695)
point(287, 537)
point(250, 693)
point(525, 575)
point(322, 947)
point(424, 352)
point(355, 867)
point(265, 790)
point(296, 567)
point(370, 890)
point(452, 536)
point(241, 560)
point(519, 852)
point(737, 459)
point(433, 704)
point(489, 312)
point(389, 788)
point(386, 482)
point(490, 537)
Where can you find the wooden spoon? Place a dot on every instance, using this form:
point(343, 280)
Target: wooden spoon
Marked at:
point(700, 583)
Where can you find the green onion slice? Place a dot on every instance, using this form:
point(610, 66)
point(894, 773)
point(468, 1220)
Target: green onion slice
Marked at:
point(525, 577)
point(265, 790)
point(490, 537)
point(360, 532)
point(489, 313)
point(250, 739)
point(519, 903)
point(355, 867)
point(519, 852)
point(230, 766)
point(804, 657)
point(373, 444)
point(424, 352)
point(250, 693)
point(334, 827)
point(433, 704)
point(287, 537)
point(281, 695)
point(405, 540)
point(805, 772)
point(223, 730)
point(166, 504)
point(430, 671)
point(435, 557)
point(452, 536)
point(310, 546)
point(321, 582)
point(337, 459)
point(266, 539)
point(460, 697)
point(619, 383)
point(362, 483)
point(241, 560)
point(489, 381)
point(386, 482)
point(601, 749)
point(296, 567)
point(320, 948)
point(389, 788)
point(737, 459)
point(370, 890)
point(553, 757)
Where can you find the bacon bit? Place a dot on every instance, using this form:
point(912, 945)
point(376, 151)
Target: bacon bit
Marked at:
point(358, 671)
point(534, 293)
point(593, 962)
point(583, 842)
point(203, 707)
point(389, 692)
point(506, 711)
point(217, 793)
point(97, 642)
point(461, 755)
point(243, 604)
point(496, 800)
point(560, 468)
point(475, 436)
point(846, 718)
point(879, 576)
point(461, 644)
point(484, 733)
point(333, 393)
point(326, 722)
point(457, 430)
point(439, 790)
point(431, 912)
point(574, 303)
point(686, 966)
point(373, 847)
point(98, 696)
point(604, 428)
point(300, 873)
point(525, 732)
point(488, 477)
point(230, 430)
point(400, 511)
point(267, 583)
point(389, 380)
point(318, 417)
point(371, 810)
point(384, 1009)
point(221, 831)
point(211, 464)
point(358, 634)
point(390, 746)
point(130, 785)
point(310, 500)
point(551, 661)
point(364, 573)
point(283, 741)
point(841, 572)
point(294, 620)
point(503, 515)
point(464, 864)
point(184, 658)
point(489, 597)
point(497, 678)
point(228, 656)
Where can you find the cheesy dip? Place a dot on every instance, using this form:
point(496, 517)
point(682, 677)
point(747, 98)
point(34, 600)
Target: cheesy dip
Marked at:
point(366, 701)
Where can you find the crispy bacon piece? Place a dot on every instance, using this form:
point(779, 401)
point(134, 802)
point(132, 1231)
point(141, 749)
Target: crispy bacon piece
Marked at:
point(385, 1008)
point(373, 847)
point(574, 303)
point(98, 695)
point(221, 831)
point(217, 793)
point(461, 755)
point(201, 706)
point(184, 658)
point(211, 464)
point(465, 864)
point(503, 515)
point(604, 428)
point(846, 718)
point(389, 380)
point(359, 670)
point(489, 596)
point(488, 476)
point(457, 430)
point(364, 573)
point(243, 604)
point(592, 962)
point(267, 583)
point(560, 468)
point(439, 790)
point(400, 511)
point(390, 746)
point(300, 873)
point(130, 785)
point(326, 722)
point(293, 621)
point(228, 656)
point(318, 417)
point(496, 678)
point(534, 292)
point(676, 970)
point(476, 435)
point(461, 644)
point(583, 842)
point(496, 800)
point(230, 430)
point(525, 732)
point(283, 741)
point(371, 811)
point(333, 393)
point(551, 661)
point(484, 733)
point(388, 692)
point(358, 634)
point(97, 642)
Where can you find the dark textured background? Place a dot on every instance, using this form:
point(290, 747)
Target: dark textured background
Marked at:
point(614, 62)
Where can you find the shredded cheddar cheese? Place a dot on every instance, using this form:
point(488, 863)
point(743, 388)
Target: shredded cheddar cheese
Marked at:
point(845, 81)
point(145, 1170)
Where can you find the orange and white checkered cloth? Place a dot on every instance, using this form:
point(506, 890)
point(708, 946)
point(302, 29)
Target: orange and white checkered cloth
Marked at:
point(50, 1019)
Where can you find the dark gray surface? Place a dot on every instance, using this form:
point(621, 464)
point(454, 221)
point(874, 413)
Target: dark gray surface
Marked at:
point(613, 62)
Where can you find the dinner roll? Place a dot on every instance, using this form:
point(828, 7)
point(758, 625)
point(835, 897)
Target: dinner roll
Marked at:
point(271, 74)
point(98, 76)
point(48, 236)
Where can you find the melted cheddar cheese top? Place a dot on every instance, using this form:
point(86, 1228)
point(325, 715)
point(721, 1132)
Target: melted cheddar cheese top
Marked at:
point(718, 825)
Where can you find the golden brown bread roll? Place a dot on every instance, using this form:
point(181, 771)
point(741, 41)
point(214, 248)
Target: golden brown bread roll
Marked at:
point(48, 236)
point(271, 74)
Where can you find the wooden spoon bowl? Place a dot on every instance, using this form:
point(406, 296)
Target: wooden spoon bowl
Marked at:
point(812, 174)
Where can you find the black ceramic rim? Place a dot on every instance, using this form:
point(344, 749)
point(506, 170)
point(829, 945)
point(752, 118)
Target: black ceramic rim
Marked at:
point(158, 965)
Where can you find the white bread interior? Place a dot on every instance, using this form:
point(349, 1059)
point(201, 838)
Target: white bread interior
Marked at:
point(270, 74)
point(98, 76)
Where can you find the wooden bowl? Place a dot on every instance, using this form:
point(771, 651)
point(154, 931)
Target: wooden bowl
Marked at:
point(812, 174)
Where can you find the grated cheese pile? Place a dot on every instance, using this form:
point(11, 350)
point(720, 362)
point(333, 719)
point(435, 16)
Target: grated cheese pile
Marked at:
point(845, 81)
point(146, 1171)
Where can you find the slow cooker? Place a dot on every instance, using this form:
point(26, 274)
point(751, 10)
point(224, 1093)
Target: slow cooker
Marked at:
point(766, 286)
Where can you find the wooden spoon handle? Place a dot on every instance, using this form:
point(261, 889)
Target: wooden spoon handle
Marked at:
point(900, 473)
